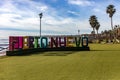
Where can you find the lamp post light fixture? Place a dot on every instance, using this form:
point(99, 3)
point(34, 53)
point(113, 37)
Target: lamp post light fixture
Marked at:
point(40, 15)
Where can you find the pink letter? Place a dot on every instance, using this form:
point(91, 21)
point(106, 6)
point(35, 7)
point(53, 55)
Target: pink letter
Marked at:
point(54, 42)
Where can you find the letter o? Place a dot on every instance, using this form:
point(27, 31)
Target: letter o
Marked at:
point(86, 41)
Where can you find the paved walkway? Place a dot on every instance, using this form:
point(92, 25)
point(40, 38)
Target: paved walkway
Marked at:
point(3, 53)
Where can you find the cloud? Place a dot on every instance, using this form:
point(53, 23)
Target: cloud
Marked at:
point(74, 13)
point(25, 20)
point(20, 17)
point(7, 33)
point(14, 17)
point(17, 21)
point(43, 8)
point(96, 10)
point(100, 11)
point(81, 2)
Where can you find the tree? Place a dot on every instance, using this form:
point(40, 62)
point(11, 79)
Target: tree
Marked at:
point(92, 21)
point(110, 34)
point(106, 35)
point(97, 27)
point(116, 30)
point(111, 10)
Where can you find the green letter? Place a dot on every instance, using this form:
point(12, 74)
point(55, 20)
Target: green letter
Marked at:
point(77, 41)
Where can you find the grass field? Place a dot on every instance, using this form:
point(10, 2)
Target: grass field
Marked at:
point(101, 63)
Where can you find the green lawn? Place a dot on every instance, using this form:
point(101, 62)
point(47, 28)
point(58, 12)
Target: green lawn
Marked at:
point(101, 63)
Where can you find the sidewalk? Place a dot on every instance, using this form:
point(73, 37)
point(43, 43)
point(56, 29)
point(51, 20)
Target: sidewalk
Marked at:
point(3, 53)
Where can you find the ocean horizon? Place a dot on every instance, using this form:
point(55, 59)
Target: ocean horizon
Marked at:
point(4, 43)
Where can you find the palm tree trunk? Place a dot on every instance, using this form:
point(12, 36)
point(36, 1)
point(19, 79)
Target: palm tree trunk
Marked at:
point(94, 32)
point(93, 29)
point(111, 23)
point(113, 34)
point(97, 35)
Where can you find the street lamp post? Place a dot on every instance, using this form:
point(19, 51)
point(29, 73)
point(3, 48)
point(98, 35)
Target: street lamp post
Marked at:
point(78, 32)
point(40, 15)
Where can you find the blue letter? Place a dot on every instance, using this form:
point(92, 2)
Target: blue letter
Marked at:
point(44, 42)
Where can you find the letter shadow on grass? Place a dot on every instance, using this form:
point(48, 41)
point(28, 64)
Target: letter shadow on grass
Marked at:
point(56, 53)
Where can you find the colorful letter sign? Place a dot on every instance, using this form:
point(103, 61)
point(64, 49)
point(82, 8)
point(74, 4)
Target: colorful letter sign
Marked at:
point(30, 42)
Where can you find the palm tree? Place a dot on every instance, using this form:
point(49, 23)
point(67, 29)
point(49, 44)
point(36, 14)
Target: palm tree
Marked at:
point(106, 35)
point(111, 10)
point(97, 27)
point(116, 30)
point(92, 21)
point(110, 34)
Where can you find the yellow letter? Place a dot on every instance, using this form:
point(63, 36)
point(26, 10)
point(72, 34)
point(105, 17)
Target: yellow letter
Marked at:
point(69, 41)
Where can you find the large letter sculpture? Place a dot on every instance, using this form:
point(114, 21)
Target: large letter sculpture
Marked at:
point(62, 42)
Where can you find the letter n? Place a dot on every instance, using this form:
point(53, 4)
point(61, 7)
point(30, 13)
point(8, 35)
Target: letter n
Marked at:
point(54, 42)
